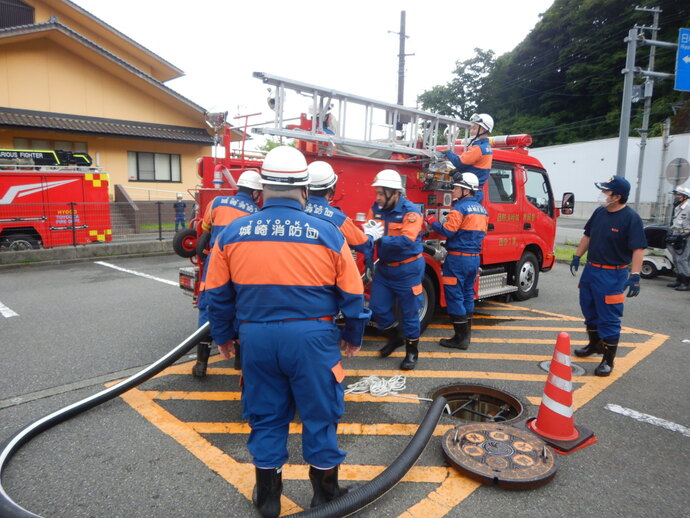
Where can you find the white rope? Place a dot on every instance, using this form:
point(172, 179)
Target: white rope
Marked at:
point(380, 387)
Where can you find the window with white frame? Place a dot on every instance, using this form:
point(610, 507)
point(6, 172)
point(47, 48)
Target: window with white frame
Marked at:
point(153, 167)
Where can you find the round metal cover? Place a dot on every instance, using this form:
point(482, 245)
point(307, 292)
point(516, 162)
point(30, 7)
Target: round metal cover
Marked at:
point(501, 455)
point(575, 368)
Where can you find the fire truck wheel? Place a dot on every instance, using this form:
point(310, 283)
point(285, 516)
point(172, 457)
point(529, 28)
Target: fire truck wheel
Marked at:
point(21, 242)
point(184, 243)
point(526, 276)
point(429, 304)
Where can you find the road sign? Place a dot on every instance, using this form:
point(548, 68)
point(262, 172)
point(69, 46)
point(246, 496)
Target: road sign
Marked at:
point(683, 61)
point(677, 171)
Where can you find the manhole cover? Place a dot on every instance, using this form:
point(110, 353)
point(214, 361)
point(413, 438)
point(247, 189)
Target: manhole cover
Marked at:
point(575, 369)
point(480, 403)
point(499, 454)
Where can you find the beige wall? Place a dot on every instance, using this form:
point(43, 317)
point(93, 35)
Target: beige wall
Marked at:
point(111, 154)
point(37, 74)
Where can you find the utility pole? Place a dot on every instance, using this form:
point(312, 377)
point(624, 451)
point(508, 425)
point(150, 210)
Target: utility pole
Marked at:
point(661, 195)
point(648, 89)
point(401, 59)
point(629, 72)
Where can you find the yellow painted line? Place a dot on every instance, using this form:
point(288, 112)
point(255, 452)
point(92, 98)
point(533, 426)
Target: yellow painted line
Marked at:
point(510, 317)
point(554, 329)
point(479, 356)
point(596, 384)
point(453, 490)
point(240, 475)
point(536, 401)
point(164, 395)
point(378, 429)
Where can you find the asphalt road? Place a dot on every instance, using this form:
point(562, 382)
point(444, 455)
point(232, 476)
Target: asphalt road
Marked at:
point(175, 446)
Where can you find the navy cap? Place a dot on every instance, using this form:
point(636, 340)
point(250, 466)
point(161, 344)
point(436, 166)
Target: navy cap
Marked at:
point(616, 184)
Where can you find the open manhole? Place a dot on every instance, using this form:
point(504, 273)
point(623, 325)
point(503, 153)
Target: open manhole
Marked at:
point(480, 404)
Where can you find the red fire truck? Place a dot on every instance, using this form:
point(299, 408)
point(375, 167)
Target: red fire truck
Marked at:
point(51, 198)
point(518, 195)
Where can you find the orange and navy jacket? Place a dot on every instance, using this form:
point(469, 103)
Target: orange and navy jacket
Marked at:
point(402, 238)
point(356, 239)
point(283, 264)
point(223, 210)
point(465, 226)
point(476, 159)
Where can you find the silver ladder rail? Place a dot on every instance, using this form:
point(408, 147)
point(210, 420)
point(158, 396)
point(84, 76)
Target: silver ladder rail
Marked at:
point(423, 125)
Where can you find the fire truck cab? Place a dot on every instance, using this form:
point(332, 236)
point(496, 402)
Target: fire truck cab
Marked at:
point(518, 196)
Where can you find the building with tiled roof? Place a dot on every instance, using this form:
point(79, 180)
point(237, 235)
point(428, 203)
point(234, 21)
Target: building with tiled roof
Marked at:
point(70, 81)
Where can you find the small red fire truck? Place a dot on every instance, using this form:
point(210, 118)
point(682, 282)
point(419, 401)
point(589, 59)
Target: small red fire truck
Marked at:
point(518, 195)
point(51, 198)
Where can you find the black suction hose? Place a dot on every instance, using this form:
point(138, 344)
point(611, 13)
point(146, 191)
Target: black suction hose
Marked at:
point(345, 505)
point(362, 496)
point(9, 508)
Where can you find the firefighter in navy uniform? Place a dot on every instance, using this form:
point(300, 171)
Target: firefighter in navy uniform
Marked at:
point(464, 230)
point(322, 182)
point(283, 275)
point(477, 156)
point(678, 239)
point(614, 238)
point(400, 269)
point(222, 211)
point(180, 208)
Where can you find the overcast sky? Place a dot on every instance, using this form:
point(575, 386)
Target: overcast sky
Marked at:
point(340, 45)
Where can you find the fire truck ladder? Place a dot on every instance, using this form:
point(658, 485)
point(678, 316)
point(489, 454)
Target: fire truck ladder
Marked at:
point(422, 128)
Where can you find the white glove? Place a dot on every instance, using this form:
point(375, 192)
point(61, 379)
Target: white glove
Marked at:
point(374, 229)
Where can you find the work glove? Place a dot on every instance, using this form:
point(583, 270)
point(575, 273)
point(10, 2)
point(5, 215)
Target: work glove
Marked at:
point(431, 219)
point(368, 271)
point(374, 229)
point(633, 284)
point(574, 264)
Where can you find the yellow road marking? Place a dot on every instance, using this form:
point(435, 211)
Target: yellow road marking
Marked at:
point(452, 487)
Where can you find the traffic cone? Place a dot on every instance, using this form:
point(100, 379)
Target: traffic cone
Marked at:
point(554, 422)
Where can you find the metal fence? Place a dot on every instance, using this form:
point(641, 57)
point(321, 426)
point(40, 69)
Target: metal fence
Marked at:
point(48, 225)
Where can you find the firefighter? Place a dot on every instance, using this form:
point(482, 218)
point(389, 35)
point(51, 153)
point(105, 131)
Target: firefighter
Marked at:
point(222, 211)
point(322, 180)
point(400, 268)
point(283, 275)
point(477, 156)
point(180, 208)
point(464, 230)
point(614, 238)
point(678, 239)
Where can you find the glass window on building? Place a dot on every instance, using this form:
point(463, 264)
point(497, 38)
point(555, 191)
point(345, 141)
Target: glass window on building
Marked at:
point(49, 145)
point(153, 167)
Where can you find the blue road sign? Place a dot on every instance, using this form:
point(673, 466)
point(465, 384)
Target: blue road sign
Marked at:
point(683, 61)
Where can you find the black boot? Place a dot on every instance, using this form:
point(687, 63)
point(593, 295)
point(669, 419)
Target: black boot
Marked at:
point(606, 365)
point(325, 484)
point(237, 364)
point(683, 283)
point(595, 345)
point(395, 340)
point(269, 486)
point(203, 351)
point(411, 354)
point(675, 283)
point(461, 338)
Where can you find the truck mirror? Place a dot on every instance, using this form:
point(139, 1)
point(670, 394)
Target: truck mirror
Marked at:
point(568, 203)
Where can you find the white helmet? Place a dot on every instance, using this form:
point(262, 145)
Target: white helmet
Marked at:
point(321, 176)
point(683, 191)
point(467, 181)
point(484, 120)
point(251, 180)
point(388, 178)
point(284, 165)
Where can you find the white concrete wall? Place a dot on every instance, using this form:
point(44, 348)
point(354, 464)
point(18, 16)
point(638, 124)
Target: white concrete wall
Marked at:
point(575, 167)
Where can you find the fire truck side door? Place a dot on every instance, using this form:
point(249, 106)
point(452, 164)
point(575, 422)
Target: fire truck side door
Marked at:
point(65, 195)
point(503, 242)
point(538, 221)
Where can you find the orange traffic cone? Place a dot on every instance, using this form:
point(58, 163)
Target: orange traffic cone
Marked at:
point(555, 423)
